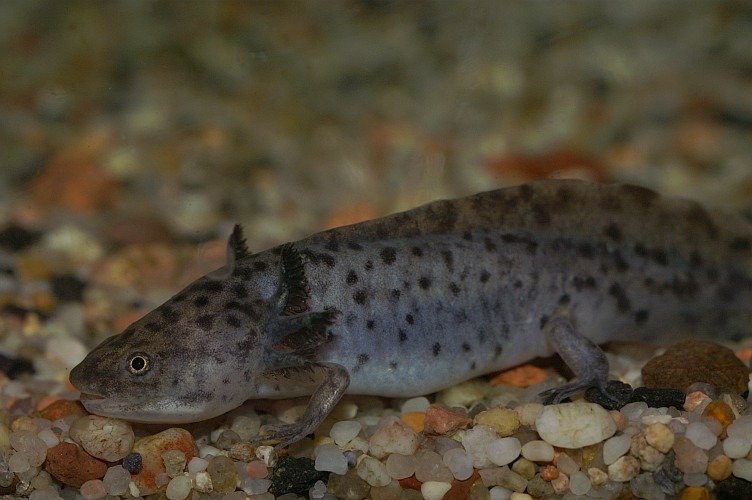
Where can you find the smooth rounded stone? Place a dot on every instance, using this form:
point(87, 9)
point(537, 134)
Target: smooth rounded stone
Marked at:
point(501, 493)
point(503, 476)
point(227, 439)
point(700, 435)
point(659, 436)
point(400, 466)
point(566, 464)
point(197, 464)
point(93, 489)
point(643, 486)
point(689, 458)
point(105, 438)
point(31, 445)
point(528, 412)
point(116, 480)
point(246, 426)
point(223, 474)
point(174, 462)
point(539, 488)
point(741, 427)
point(579, 483)
point(49, 437)
point(46, 493)
point(459, 462)
point(616, 447)
point(560, 484)
point(574, 425)
point(443, 444)
point(474, 441)
point(392, 436)
point(202, 482)
point(19, 462)
point(503, 451)
point(151, 449)
point(719, 468)
point(344, 431)
point(442, 420)
point(318, 490)
point(597, 477)
point(524, 468)
point(634, 411)
point(504, 421)
point(463, 394)
point(349, 486)
point(296, 475)
point(70, 465)
point(696, 479)
point(372, 471)
point(430, 467)
point(742, 469)
point(537, 451)
point(624, 469)
point(696, 402)
point(178, 488)
point(434, 490)
point(737, 447)
point(419, 404)
point(259, 486)
point(329, 458)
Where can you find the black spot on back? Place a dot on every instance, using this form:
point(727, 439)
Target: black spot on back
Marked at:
point(740, 244)
point(201, 301)
point(417, 251)
point(240, 291)
point(489, 244)
point(466, 347)
point(622, 301)
point(369, 265)
point(393, 365)
point(402, 335)
point(360, 297)
point(612, 231)
point(212, 286)
point(436, 349)
point(410, 320)
point(233, 321)
point(354, 246)
point(484, 276)
point(169, 314)
point(467, 236)
point(564, 300)
point(370, 324)
point(205, 321)
point(351, 278)
point(388, 255)
point(454, 288)
point(641, 316)
point(448, 259)
point(541, 214)
point(424, 282)
point(260, 265)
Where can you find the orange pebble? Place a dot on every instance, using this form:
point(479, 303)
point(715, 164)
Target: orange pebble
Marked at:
point(350, 214)
point(46, 401)
point(721, 412)
point(410, 483)
point(695, 493)
point(549, 472)
point(745, 354)
point(415, 419)
point(521, 376)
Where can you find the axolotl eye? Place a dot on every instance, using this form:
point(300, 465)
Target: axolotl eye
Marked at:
point(139, 363)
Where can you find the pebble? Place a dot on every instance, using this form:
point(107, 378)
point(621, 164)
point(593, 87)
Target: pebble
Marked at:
point(463, 394)
point(504, 421)
point(202, 482)
point(318, 490)
point(565, 463)
point(538, 487)
point(696, 479)
point(696, 401)
point(392, 436)
point(524, 468)
point(174, 462)
point(429, 466)
point(116, 480)
point(71, 465)
point(132, 463)
point(659, 436)
point(416, 420)
point(719, 468)
point(329, 458)
point(695, 493)
point(257, 486)
point(459, 463)
point(442, 420)
point(296, 475)
point(528, 412)
point(105, 438)
point(33, 448)
point(372, 471)
point(721, 412)
point(344, 431)
point(419, 404)
point(579, 483)
point(643, 486)
point(741, 427)
point(737, 447)
point(742, 469)
point(597, 477)
point(93, 489)
point(624, 469)
point(619, 391)
point(246, 426)
point(560, 484)
point(400, 466)
point(197, 464)
point(633, 411)
point(700, 435)
point(503, 451)
point(574, 425)
point(178, 488)
point(348, 486)
point(503, 476)
point(224, 476)
point(689, 458)
point(151, 449)
point(49, 437)
point(19, 462)
point(474, 441)
point(434, 490)
point(658, 398)
point(227, 439)
point(616, 447)
point(538, 451)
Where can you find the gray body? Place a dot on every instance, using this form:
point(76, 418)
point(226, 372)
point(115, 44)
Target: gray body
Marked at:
point(424, 299)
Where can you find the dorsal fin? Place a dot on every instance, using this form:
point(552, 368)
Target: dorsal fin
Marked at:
point(236, 247)
point(294, 281)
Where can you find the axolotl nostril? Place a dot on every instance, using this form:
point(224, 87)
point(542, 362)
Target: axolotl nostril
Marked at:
point(418, 301)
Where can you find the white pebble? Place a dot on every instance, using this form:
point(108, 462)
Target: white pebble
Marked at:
point(19, 462)
point(503, 451)
point(93, 490)
point(741, 427)
point(500, 493)
point(105, 438)
point(633, 411)
point(44, 494)
point(579, 483)
point(178, 488)
point(246, 426)
point(343, 432)
point(459, 462)
point(737, 446)
point(318, 490)
point(566, 465)
point(474, 442)
point(742, 469)
point(574, 425)
point(615, 447)
point(538, 451)
point(255, 486)
point(209, 451)
point(392, 436)
point(329, 458)
point(434, 490)
point(400, 466)
point(419, 404)
point(695, 479)
point(202, 482)
point(372, 471)
point(701, 436)
point(29, 443)
point(197, 464)
point(49, 438)
point(116, 480)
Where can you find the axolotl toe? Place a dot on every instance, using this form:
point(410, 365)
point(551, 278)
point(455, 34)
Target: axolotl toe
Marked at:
point(420, 300)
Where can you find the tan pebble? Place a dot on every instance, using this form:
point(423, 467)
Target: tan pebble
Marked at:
point(442, 420)
point(719, 468)
point(650, 458)
point(242, 452)
point(528, 412)
point(660, 437)
point(106, 438)
point(549, 472)
point(620, 420)
point(520, 496)
point(695, 493)
point(597, 476)
point(696, 401)
point(463, 394)
point(151, 449)
point(524, 468)
point(61, 409)
point(560, 483)
point(624, 469)
point(71, 465)
point(23, 423)
point(504, 421)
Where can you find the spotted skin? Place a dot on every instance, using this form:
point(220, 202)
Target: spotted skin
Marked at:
point(418, 301)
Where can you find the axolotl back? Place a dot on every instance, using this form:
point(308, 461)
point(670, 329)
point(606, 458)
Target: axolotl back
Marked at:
point(420, 300)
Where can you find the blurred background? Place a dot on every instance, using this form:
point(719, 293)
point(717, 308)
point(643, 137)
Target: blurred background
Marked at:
point(132, 132)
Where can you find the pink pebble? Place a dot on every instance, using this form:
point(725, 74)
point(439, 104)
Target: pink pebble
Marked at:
point(257, 470)
point(93, 489)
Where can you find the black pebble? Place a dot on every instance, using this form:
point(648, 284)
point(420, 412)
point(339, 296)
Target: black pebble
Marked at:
point(658, 398)
point(15, 238)
point(14, 367)
point(733, 487)
point(619, 390)
point(132, 462)
point(668, 477)
point(68, 288)
point(295, 475)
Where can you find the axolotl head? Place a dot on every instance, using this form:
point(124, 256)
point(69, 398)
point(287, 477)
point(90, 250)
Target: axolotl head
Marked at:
point(190, 359)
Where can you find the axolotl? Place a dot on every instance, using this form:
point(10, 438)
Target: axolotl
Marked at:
point(420, 300)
